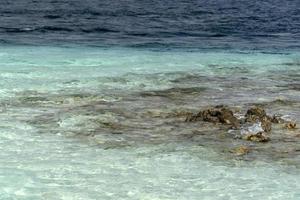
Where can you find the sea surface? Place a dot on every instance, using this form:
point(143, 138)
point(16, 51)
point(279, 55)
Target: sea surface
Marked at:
point(93, 94)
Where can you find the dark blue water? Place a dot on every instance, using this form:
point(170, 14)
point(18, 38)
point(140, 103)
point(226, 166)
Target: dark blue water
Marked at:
point(252, 24)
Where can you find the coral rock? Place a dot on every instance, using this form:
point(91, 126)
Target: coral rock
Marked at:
point(257, 137)
point(277, 119)
point(218, 114)
point(257, 114)
point(256, 111)
point(290, 125)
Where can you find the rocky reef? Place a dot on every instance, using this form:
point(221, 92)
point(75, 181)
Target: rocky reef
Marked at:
point(249, 131)
point(254, 126)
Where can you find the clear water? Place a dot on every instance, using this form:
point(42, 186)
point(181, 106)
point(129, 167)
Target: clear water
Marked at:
point(55, 100)
point(91, 94)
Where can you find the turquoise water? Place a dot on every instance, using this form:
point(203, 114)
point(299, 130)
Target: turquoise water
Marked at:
point(59, 106)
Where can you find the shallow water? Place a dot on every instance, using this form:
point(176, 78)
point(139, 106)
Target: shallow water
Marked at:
point(94, 96)
point(104, 123)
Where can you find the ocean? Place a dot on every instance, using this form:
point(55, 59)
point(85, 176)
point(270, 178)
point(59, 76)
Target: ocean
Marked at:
point(93, 96)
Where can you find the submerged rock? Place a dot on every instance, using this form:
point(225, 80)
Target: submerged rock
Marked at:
point(290, 125)
point(193, 117)
point(257, 137)
point(174, 92)
point(241, 150)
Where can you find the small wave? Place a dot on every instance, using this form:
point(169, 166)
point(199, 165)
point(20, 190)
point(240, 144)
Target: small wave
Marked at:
point(52, 16)
point(99, 30)
point(137, 34)
point(3, 41)
point(176, 34)
point(195, 34)
point(54, 28)
point(40, 29)
point(202, 12)
point(17, 30)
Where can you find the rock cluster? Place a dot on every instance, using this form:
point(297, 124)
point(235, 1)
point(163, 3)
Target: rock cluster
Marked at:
point(256, 136)
point(255, 126)
point(290, 125)
point(218, 114)
point(259, 115)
